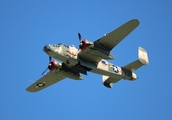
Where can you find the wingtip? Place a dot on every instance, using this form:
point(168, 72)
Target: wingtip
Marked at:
point(136, 21)
point(30, 90)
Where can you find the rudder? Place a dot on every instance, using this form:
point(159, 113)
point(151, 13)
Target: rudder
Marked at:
point(143, 56)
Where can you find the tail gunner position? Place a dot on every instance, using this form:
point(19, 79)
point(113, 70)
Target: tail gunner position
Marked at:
point(91, 57)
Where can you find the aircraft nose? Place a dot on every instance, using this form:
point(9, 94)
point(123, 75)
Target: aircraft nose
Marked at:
point(47, 48)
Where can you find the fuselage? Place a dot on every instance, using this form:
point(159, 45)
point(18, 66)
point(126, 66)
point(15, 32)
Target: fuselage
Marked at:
point(70, 56)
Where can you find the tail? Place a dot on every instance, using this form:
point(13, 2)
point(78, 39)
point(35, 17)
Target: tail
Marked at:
point(129, 69)
point(142, 60)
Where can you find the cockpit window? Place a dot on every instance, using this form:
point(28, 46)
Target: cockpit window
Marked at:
point(60, 44)
point(72, 46)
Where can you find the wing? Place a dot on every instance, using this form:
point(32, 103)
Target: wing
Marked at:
point(110, 40)
point(47, 80)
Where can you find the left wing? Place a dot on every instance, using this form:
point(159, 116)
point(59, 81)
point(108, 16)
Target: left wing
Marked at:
point(110, 40)
point(47, 80)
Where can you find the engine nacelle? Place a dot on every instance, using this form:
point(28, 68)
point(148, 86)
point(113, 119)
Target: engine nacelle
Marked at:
point(54, 65)
point(89, 46)
point(63, 70)
point(86, 44)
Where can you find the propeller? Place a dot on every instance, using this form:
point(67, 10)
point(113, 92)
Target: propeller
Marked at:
point(83, 43)
point(49, 65)
point(50, 58)
point(79, 36)
point(80, 40)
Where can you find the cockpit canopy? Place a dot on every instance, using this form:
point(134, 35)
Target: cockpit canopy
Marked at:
point(60, 44)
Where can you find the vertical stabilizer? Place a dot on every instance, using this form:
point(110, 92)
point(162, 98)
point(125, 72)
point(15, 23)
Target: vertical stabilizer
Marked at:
point(105, 83)
point(143, 56)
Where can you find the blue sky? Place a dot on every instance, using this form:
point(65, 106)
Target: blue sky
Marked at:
point(27, 25)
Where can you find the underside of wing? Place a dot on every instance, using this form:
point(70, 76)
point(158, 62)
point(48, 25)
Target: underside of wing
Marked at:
point(110, 40)
point(133, 66)
point(47, 80)
point(89, 57)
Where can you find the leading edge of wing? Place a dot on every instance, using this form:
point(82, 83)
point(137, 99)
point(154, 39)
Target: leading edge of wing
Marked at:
point(45, 81)
point(110, 40)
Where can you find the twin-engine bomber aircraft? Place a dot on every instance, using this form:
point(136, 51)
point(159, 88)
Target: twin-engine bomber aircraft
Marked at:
point(91, 56)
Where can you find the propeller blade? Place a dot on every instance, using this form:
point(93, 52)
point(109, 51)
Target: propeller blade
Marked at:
point(44, 71)
point(79, 36)
point(50, 59)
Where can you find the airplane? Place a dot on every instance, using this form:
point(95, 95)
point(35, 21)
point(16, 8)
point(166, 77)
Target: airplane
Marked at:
point(90, 57)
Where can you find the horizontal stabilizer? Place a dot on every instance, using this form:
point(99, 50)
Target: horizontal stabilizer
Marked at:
point(142, 60)
point(107, 81)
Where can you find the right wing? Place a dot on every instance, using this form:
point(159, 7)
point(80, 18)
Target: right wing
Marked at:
point(106, 43)
point(110, 40)
point(47, 80)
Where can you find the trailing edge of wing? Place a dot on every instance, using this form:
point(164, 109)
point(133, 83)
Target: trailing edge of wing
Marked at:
point(47, 80)
point(110, 40)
